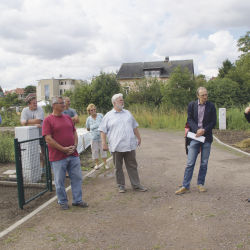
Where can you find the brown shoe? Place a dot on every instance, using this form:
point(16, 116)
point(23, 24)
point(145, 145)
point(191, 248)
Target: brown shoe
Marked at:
point(201, 188)
point(182, 190)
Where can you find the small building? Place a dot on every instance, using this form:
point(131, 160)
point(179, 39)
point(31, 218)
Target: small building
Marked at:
point(47, 88)
point(129, 72)
point(28, 96)
point(18, 91)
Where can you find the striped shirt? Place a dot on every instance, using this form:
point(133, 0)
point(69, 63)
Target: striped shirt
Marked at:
point(201, 112)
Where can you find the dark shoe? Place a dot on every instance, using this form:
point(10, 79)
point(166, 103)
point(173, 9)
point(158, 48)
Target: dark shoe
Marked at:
point(64, 206)
point(141, 189)
point(121, 189)
point(82, 204)
point(248, 200)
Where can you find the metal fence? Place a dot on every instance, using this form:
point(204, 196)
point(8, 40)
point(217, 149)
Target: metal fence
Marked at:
point(32, 181)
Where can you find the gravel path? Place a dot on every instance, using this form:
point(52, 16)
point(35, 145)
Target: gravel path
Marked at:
point(157, 219)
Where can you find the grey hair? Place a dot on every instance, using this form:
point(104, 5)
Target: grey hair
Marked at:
point(198, 90)
point(54, 99)
point(114, 97)
point(65, 98)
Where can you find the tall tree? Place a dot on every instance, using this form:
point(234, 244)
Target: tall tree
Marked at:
point(244, 43)
point(226, 66)
point(29, 89)
point(103, 87)
point(180, 90)
point(80, 96)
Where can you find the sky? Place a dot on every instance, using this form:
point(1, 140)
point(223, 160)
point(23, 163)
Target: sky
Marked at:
point(41, 39)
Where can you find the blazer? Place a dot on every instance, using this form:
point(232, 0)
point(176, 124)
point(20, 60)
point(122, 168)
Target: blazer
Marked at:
point(209, 119)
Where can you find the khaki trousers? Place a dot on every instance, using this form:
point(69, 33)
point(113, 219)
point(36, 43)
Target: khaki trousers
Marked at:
point(131, 165)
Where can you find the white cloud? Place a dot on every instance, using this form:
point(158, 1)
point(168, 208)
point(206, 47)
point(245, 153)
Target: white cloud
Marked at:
point(44, 38)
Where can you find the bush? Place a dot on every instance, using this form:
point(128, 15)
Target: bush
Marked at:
point(7, 147)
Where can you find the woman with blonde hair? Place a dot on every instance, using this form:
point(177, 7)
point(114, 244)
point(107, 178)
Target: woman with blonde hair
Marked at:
point(92, 125)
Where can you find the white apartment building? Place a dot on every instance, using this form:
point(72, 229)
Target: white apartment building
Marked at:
point(47, 88)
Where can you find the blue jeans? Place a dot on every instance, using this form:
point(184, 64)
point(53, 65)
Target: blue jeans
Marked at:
point(73, 167)
point(193, 152)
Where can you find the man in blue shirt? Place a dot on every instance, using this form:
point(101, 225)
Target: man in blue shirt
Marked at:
point(121, 128)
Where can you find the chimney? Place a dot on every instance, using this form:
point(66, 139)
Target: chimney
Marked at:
point(166, 59)
point(60, 75)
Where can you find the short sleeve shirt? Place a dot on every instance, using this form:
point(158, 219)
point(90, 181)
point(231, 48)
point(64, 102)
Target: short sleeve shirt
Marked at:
point(71, 112)
point(93, 125)
point(119, 127)
point(34, 114)
point(62, 129)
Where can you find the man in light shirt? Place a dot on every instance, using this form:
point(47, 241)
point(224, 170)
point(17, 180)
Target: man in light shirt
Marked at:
point(33, 115)
point(201, 119)
point(121, 128)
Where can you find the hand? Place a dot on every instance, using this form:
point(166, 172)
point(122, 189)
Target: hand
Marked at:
point(200, 132)
point(247, 110)
point(69, 150)
point(39, 125)
point(23, 122)
point(105, 147)
point(139, 141)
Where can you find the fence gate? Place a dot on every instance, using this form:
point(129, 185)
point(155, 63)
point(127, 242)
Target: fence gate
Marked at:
point(32, 181)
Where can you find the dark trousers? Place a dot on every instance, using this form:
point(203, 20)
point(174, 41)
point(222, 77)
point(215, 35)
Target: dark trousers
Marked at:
point(131, 165)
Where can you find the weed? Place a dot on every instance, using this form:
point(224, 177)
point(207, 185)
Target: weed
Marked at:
point(32, 229)
point(239, 245)
point(57, 246)
point(158, 246)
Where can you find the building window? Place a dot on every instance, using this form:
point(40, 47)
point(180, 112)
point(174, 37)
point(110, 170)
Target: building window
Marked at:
point(152, 73)
point(61, 91)
point(65, 83)
point(46, 91)
point(126, 88)
point(64, 90)
point(61, 83)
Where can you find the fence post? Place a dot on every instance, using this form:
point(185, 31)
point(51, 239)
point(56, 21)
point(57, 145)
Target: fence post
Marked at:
point(48, 167)
point(19, 174)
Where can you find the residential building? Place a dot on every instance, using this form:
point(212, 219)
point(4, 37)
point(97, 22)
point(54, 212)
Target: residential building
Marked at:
point(28, 96)
point(129, 72)
point(18, 91)
point(47, 88)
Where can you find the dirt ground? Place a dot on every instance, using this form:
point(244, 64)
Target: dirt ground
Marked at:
point(10, 212)
point(156, 219)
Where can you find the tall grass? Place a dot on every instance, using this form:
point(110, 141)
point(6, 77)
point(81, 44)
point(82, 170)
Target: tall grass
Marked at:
point(163, 118)
point(7, 146)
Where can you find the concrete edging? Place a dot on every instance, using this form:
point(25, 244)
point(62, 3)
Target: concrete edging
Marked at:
point(231, 147)
point(27, 217)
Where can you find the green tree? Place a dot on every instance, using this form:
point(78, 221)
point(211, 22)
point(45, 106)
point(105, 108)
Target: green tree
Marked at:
point(103, 87)
point(180, 90)
point(29, 89)
point(80, 96)
point(223, 71)
point(224, 93)
point(145, 91)
point(244, 43)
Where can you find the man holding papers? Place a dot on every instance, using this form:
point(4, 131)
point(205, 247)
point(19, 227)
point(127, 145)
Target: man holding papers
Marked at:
point(201, 119)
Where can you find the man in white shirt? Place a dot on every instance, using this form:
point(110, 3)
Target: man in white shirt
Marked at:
point(34, 116)
point(121, 128)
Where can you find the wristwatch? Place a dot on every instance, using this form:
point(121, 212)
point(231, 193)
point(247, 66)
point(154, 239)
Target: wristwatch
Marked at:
point(27, 120)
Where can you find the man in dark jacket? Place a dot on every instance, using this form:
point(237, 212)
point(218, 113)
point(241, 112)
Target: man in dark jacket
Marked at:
point(247, 115)
point(201, 119)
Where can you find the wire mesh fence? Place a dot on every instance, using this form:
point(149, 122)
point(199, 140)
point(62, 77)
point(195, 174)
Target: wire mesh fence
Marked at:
point(32, 168)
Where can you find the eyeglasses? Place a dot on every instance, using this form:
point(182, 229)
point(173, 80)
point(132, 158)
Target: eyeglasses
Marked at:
point(92, 110)
point(60, 103)
point(203, 95)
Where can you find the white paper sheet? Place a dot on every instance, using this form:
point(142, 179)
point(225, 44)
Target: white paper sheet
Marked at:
point(192, 136)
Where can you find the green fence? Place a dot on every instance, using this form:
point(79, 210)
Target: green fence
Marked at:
point(31, 180)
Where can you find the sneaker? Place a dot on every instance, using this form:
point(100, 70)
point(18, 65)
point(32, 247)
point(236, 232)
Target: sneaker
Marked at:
point(96, 167)
point(64, 206)
point(248, 200)
point(107, 167)
point(121, 189)
point(182, 190)
point(82, 204)
point(141, 189)
point(201, 188)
